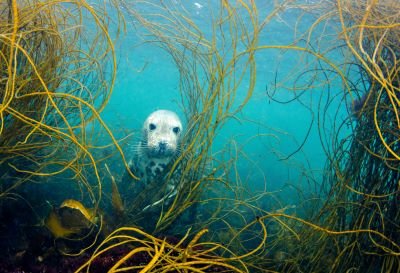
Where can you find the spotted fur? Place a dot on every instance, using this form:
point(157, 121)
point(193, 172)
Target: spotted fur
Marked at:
point(155, 155)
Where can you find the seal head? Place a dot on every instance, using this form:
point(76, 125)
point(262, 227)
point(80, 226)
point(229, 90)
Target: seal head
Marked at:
point(161, 134)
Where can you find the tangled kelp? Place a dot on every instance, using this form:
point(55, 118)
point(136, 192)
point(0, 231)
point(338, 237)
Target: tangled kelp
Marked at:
point(366, 174)
point(361, 190)
point(147, 253)
point(57, 71)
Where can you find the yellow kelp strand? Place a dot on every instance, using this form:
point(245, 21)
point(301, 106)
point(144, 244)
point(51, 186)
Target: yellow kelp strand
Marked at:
point(116, 199)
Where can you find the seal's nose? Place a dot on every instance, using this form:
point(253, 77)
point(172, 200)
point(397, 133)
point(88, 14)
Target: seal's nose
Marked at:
point(162, 146)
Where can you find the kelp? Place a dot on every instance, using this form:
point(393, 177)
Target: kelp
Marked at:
point(57, 67)
point(365, 173)
point(360, 189)
point(147, 253)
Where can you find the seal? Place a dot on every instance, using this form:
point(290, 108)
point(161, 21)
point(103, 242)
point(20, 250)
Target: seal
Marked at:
point(154, 155)
point(160, 144)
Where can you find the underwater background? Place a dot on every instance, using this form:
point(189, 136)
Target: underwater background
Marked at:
point(290, 153)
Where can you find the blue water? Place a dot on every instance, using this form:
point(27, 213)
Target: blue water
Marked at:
point(148, 79)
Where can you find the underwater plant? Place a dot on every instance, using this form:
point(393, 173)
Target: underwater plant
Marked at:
point(368, 179)
point(57, 71)
point(360, 190)
point(143, 252)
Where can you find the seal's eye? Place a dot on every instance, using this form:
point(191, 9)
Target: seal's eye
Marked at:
point(176, 130)
point(152, 126)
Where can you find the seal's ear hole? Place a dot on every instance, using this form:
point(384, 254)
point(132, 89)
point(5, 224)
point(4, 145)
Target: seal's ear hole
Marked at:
point(176, 130)
point(152, 126)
